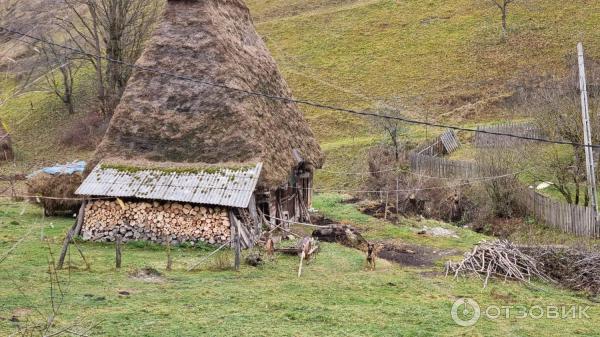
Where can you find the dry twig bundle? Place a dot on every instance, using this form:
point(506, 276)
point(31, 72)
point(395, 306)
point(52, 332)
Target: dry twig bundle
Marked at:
point(499, 258)
point(574, 268)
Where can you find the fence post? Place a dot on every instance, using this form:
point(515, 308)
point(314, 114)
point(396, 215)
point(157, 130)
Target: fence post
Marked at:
point(118, 251)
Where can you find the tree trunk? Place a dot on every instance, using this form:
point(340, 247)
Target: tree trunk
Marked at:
point(68, 84)
point(98, 60)
point(504, 24)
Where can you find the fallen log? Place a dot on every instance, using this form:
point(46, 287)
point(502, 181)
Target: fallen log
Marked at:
point(343, 234)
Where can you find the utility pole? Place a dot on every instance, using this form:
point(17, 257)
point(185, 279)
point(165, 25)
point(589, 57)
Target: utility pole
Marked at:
point(587, 133)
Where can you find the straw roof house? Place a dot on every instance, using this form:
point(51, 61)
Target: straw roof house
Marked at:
point(184, 128)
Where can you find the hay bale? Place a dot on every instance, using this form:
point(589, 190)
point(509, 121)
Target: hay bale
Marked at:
point(55, 186)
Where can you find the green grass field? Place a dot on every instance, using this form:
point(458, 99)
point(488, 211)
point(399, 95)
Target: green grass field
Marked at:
point(442, 60)
point(335, 296)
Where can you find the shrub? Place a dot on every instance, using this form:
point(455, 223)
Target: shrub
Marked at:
point(85, 133)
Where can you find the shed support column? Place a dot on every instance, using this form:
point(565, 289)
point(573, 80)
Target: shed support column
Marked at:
point(73, 231)
point(236, 243)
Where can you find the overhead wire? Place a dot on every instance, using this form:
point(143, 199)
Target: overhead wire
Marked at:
point(296, 101)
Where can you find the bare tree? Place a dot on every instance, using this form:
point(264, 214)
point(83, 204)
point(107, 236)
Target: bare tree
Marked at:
point(391, 127)
point(564, 171)
point(556, 108)
point(110, 32)
point(503, 6)
point(61, 66)
point(501, 194)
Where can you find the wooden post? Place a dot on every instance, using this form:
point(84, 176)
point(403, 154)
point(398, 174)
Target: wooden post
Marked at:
point(169, 258)
point(238, 248)
point(237, 244)
point(587, 136)
point(73, 231)
point(118, 251)
point(385, 212)
point(397, 199)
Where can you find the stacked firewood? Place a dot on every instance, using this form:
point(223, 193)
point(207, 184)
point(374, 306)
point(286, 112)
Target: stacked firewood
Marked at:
point(153, 221)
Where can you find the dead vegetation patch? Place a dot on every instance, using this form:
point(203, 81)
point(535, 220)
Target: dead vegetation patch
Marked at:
point(147, 274)
point(410, 255)
point(404, 254)
point(85, 133)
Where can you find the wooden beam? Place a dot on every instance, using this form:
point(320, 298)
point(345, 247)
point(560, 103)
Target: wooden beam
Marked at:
point(73, 231)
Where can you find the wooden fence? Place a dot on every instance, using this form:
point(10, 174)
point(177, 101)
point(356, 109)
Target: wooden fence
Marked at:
point(444, 144)
point(442, 167)
point(486, 140)
point(574, 219)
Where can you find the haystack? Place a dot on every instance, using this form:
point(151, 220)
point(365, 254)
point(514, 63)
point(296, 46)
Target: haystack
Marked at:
point(6, 150)
point(176, 140)
point(55, 193)
point(171, 120)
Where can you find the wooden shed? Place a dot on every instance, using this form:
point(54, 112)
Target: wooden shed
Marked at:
point(202, 146)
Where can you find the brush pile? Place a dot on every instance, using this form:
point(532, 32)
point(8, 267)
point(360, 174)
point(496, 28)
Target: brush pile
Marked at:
point(574, 268)
point(156, 222)
point(499, 258)
point(571, 267)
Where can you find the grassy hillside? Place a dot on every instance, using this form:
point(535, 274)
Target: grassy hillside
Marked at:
point(442, 60)
point(335, 296)
point(37, 121)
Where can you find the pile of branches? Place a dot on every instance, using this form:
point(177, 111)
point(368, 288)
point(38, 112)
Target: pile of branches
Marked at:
point(574, 268)
point(498, 258)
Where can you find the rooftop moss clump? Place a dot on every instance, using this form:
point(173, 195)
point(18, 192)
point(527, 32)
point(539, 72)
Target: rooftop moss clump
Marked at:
point(176, 170)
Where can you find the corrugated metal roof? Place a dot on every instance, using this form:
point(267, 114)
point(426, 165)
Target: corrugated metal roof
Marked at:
point(225, 187)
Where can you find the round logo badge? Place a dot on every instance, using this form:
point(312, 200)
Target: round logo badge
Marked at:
point(465, 312)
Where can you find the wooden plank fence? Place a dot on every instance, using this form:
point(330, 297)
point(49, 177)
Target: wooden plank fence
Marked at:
point(443, 168)
point(527, 129)
point(574, 219)
point(444, 144)
point(568, 218)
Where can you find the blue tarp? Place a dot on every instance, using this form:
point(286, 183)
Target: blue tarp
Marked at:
point(70, 168)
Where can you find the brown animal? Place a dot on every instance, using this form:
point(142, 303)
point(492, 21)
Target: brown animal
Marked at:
point(270, 247)
point(372, 251)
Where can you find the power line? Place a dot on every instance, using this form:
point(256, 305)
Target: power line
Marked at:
point(296, 101)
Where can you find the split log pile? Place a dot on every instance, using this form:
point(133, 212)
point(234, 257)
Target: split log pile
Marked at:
point(156, 222)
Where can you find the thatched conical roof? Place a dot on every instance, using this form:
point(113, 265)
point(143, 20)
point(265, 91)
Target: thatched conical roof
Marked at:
point(162, 119)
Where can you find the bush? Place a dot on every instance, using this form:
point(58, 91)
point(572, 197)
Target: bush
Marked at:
point(85, 133)
point(417, 195)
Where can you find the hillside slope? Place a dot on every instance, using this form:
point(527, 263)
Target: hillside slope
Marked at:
point(443, 60)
